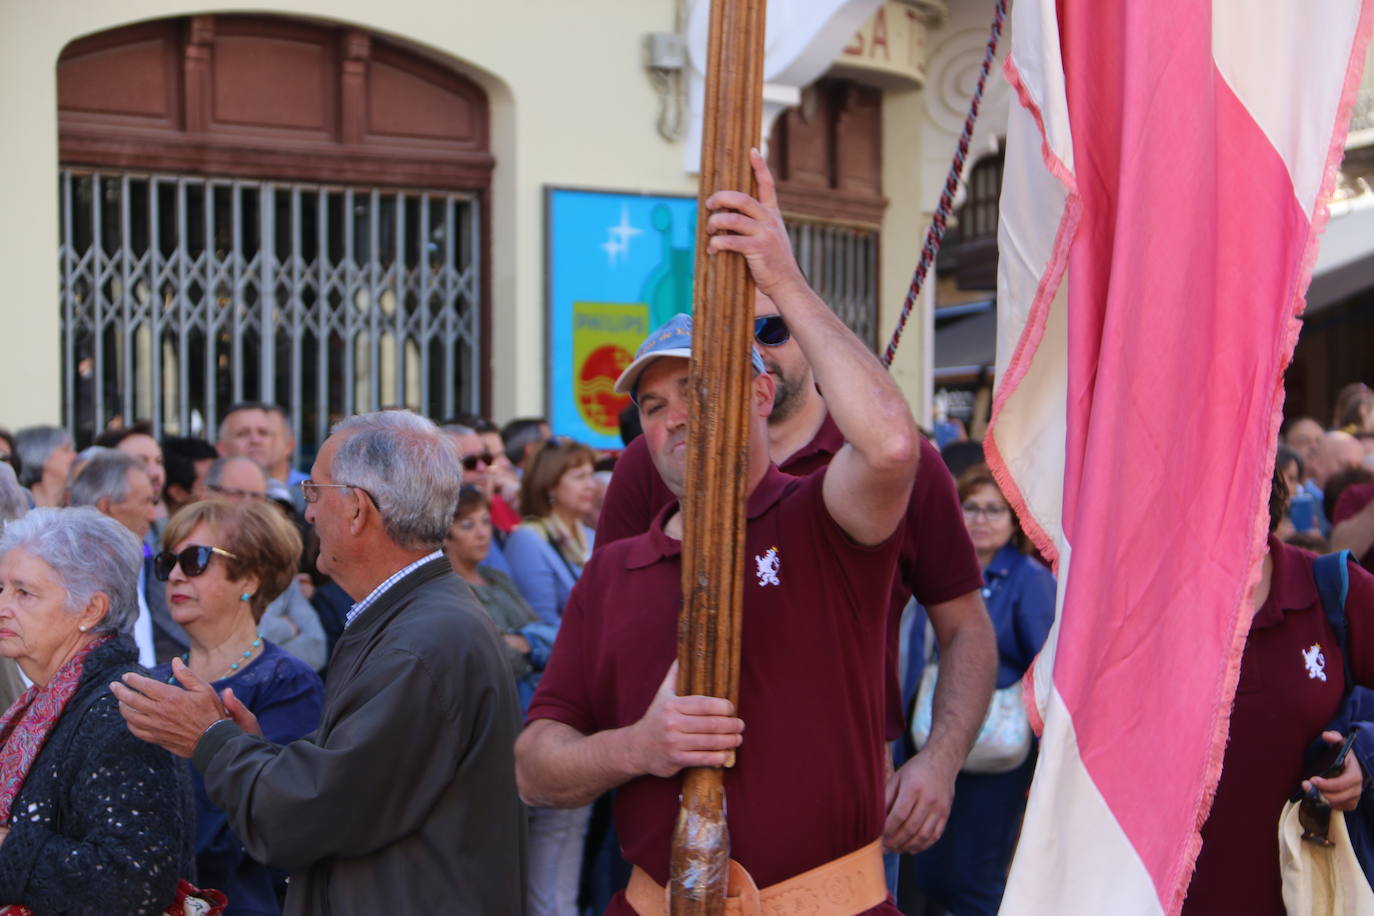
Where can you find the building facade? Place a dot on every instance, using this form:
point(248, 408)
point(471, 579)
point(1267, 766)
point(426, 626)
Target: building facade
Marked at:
point(346, 206)
point(1337, 336)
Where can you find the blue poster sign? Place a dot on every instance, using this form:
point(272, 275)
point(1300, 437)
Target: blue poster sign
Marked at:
point(619, 265)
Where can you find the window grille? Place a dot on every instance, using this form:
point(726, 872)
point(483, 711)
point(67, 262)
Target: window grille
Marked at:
point(841, 264)
point(978, 216)
point(183, 295)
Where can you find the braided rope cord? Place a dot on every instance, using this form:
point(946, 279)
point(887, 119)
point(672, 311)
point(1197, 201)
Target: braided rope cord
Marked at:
point(938, 222)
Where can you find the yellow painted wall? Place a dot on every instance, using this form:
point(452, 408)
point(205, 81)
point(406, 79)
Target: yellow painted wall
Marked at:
point(904, 227)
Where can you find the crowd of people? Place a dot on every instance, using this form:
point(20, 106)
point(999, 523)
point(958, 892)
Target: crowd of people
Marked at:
point(1330, 475)
point(436, 672)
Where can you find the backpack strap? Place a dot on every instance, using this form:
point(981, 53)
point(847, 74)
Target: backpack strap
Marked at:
point(1332, 575)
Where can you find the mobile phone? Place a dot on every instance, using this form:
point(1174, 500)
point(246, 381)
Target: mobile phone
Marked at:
point(1339, 763)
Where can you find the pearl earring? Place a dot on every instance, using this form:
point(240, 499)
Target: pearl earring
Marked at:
point(82, 628)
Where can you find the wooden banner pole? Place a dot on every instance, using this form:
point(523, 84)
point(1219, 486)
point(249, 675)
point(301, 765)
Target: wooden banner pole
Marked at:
point(713, 561)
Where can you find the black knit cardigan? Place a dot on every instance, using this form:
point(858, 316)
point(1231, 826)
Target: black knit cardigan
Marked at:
point(104, 822)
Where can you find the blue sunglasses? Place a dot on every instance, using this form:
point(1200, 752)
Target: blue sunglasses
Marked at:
point(771, 331)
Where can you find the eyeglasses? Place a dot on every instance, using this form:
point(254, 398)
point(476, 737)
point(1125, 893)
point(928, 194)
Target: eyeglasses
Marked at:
point(193, 561)
point(771, 331)
point(472, 462)
point(991, 513)
point(235, 493)
point(311, 490)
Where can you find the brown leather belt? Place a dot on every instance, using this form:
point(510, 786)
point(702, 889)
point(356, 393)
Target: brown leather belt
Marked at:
point(846, 886)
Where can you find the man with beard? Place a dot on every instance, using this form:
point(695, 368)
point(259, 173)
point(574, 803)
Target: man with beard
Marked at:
point(805, 815)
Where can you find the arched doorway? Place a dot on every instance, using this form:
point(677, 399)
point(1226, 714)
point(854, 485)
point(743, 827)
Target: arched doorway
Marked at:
point(258, 208)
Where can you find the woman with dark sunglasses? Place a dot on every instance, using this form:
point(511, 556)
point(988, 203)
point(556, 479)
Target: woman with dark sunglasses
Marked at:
point(222, 563)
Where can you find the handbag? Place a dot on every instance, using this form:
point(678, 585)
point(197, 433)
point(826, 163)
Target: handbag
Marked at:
point(1004, 740)
point(193, 901)
point(1321, 879)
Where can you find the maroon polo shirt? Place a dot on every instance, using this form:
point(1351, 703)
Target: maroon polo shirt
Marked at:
point(1281, 706)
point(808, 783)
point(937, 561)
point(1354, 498)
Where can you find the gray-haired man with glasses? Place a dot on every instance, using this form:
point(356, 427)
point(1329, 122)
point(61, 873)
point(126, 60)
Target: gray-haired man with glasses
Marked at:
point(404, 800)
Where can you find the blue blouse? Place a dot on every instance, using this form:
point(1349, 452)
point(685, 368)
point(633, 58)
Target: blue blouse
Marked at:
point(287, 698)
point(1019, 594)
point(544, 578)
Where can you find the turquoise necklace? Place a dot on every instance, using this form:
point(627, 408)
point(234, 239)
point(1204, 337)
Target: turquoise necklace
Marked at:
point(233, 669)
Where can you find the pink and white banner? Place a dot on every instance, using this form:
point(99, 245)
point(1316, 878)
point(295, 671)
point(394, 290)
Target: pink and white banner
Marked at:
point(1163, 194)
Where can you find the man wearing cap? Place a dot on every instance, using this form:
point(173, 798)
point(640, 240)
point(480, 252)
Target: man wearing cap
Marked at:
point(806, 791)
point(937, 565)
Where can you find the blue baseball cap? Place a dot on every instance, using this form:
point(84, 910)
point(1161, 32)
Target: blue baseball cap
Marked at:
point(672, 338)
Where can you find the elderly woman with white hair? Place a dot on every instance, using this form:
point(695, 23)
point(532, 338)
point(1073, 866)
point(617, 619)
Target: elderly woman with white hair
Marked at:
point(94, 820)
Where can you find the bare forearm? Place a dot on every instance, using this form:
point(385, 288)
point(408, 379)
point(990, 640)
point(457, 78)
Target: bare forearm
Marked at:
point(864, 401)
point(556, 766)
point(968, 673)
point(862, 398)
point(1355, 534)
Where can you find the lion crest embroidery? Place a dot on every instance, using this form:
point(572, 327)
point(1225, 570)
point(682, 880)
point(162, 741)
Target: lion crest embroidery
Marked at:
point(1315, 661)
point(766, 567)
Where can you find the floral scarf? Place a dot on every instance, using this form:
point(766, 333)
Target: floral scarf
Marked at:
point(26, 725)
point(570, 543)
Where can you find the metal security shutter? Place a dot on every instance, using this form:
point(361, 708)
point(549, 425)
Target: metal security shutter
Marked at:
point(182, 295)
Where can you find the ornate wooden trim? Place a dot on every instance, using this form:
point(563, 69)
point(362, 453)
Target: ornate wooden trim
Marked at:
point(833, 206)
point(276, 99)
point(357, 48)
point(368, 112)
point(827, 155)
point(196, 67)
point(468, 172)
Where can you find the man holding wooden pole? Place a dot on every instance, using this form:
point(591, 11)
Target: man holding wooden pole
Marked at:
point(937, 565)
point(805, 794)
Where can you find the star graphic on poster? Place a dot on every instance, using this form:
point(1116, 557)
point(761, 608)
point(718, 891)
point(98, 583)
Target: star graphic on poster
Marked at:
point(613, 250)
point(618, 237)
